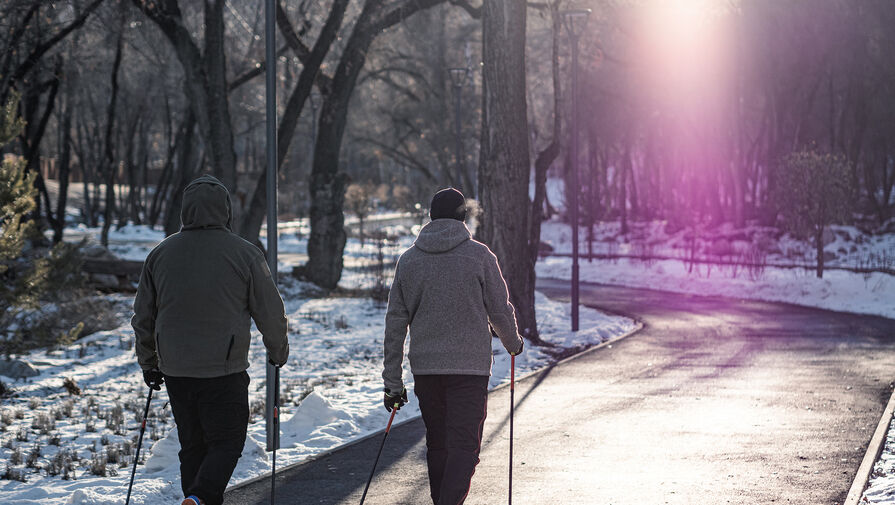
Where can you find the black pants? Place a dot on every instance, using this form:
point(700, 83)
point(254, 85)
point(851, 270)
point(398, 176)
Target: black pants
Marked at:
point(212, 417)
point(453, 409)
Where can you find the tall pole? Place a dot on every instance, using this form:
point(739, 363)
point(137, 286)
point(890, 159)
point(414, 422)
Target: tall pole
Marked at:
point(575, 20)
point(273, 393)
point(458, 88)
point(574, 203)
point(458, 78)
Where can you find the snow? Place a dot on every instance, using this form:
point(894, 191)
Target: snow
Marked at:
point(881, 488)
point(871, 293)
point(331, 387)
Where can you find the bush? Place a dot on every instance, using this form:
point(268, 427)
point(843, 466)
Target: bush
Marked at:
point(359, 201)
point(33, 456)
point(98, 467)
point(63, 463)
point(813, 191)
point(13, 474)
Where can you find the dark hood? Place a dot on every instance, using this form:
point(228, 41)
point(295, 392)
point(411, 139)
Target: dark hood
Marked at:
point(206, 205)
point(442, 235)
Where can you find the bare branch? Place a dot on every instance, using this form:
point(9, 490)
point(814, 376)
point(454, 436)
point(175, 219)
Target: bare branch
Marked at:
point(255, 72)
point(301, 51)
point(41, 49)
point(399, 156)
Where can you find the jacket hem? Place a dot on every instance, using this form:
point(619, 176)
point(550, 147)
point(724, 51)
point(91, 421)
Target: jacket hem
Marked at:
point(206, 372)
point(448, 371)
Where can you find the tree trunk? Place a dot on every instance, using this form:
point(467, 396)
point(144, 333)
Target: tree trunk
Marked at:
point(205, 81)
point(623, 186)
point(504, 160)
point(546, 157)
point(109, 159)
point(327, 186)
point(819, 243)
point(64, 169)
point(360, 219)
point(186, 161)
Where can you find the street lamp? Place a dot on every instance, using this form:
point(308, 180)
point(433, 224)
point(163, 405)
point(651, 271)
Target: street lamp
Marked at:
point(574, 20)
point(458, 79)
point(272, 410)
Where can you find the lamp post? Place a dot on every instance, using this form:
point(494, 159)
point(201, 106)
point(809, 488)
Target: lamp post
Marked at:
point(574, 20)
point(458, 79)
point(272, 372)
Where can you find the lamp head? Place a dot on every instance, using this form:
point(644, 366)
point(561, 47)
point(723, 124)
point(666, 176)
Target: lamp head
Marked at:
point(575, 20)
point(458, 75)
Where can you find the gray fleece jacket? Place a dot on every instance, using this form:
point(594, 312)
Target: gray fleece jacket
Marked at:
point(447, 289)
point(198, 290)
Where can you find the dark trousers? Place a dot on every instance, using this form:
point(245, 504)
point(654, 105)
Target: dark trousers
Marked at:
point(453, 409)
point(212, 417)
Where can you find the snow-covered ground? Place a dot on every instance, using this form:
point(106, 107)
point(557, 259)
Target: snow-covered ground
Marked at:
point(881, 488)
point(75, 449)
point(839, 290)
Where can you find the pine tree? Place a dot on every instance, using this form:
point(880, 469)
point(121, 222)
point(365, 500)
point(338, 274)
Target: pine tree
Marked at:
point(20, 281)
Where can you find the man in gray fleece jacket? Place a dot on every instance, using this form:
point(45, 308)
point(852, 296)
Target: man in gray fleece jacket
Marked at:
point(198, 290)
point(448, 290)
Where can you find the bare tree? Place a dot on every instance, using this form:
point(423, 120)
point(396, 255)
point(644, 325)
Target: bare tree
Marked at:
point(504, 165)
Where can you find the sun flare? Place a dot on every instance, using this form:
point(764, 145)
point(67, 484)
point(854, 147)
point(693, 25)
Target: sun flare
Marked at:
point(680, 46)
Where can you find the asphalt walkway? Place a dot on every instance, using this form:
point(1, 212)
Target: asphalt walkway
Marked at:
point(714, 401)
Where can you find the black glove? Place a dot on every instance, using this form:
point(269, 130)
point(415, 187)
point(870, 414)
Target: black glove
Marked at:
point(154, 378)
point(394, 400)
point(278, 365)
point(521, 347)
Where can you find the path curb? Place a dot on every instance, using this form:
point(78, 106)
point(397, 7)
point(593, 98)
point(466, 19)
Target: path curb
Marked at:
point(873, 451)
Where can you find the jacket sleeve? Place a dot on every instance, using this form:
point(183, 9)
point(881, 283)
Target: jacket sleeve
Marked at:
point(267, 310)
point(501, 314)
point(143, 321)
point(397, 319)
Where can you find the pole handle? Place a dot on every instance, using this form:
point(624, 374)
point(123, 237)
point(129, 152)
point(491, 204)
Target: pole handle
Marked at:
point(391, 418)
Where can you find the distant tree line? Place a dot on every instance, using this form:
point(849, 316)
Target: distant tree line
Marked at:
point(705, 137)
point(129, 100)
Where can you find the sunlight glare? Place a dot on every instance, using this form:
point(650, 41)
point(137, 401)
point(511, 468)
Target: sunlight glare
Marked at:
point(681, 48)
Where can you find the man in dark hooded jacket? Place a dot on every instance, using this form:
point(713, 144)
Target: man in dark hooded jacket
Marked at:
point(448, 290)
point(198, 291)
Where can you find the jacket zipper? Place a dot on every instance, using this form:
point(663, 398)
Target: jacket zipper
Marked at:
point(158, 350)
point(230, 347)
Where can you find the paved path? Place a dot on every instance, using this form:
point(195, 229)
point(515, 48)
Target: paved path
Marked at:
point(713, 402)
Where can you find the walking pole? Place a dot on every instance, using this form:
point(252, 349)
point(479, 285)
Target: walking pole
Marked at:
point(387, 428)
point(276, 423)
point(512, 406)
point(139, 443)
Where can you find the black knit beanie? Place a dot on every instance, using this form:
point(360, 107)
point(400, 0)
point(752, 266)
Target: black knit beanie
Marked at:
point(448, 203)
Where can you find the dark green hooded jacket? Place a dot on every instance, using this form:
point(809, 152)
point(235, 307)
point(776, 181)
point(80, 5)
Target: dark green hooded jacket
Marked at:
point(198, 290)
